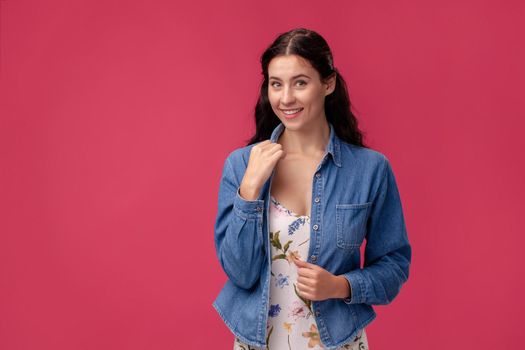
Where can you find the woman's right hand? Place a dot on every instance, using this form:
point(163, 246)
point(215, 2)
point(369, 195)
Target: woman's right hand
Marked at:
point(263, 158)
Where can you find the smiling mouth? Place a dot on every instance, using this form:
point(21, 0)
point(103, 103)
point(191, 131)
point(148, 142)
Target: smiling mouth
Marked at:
point(291, 111)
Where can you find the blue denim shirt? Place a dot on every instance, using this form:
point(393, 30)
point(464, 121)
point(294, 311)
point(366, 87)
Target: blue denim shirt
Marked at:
point(354, 196)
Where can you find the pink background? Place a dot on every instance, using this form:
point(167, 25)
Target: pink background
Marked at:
point(116, 117)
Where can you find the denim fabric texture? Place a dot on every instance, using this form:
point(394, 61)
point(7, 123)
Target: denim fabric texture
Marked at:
point(354, 197)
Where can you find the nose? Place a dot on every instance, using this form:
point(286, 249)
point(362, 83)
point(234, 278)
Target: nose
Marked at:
point(287, 96)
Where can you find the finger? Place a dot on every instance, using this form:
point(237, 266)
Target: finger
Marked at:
point(262, 145)
point(298, 262)
point(306, 272)
point(274, 150)
point(306, 295)
point(305, 281)
point(302, 263)
point(269, 147)
point(268, 144)
point(276, 153)
point(304, 288)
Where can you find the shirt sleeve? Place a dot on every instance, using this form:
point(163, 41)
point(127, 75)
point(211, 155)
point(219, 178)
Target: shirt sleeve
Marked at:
point(238, 232)
point(388, 251)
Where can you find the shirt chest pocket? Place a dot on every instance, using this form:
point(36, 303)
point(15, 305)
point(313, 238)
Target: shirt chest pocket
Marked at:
point(350, 221)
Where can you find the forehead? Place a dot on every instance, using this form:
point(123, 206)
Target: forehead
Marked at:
point(288, 65)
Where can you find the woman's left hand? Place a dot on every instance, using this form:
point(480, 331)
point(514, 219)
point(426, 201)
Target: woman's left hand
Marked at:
point(316, 283)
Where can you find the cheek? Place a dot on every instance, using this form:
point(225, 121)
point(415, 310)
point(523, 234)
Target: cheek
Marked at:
point(311, 98)
point(316, 101)
point(272, 98)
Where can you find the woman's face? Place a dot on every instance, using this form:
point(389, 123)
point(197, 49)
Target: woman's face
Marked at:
point(293, 85)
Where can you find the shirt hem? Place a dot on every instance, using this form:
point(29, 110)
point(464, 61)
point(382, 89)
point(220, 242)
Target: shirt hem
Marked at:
point(233, 330)
point(352, 336)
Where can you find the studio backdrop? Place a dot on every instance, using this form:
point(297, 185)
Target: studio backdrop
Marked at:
point(116, 118)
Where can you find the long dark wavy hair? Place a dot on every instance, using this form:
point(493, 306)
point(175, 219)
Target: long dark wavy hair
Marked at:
point(314, 48)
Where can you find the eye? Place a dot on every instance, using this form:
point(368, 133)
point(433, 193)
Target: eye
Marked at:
point(300, 82)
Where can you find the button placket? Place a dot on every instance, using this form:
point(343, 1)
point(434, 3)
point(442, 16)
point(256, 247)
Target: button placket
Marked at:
point(317, 199)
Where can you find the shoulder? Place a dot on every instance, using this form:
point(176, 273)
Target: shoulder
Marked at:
point(365, 157)
point(370, 164)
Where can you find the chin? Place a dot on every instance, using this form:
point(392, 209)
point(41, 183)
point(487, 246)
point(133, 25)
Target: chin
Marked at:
point(292, 125)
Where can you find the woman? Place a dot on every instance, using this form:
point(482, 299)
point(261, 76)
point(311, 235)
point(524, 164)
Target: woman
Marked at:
point(296, 204)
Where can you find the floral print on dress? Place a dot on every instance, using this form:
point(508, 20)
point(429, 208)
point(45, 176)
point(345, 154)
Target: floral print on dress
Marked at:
point(274, 310)
point(281, 281)
point(294, 226)
point(291, 324)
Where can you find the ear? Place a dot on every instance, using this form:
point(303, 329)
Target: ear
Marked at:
point(330, 83)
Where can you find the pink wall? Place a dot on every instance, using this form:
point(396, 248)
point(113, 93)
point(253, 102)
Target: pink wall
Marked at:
point(116, 117)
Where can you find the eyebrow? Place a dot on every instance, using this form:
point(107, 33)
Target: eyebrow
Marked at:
point(294, 77)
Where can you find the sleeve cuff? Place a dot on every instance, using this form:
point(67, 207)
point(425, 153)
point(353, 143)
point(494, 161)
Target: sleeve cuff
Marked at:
point(246, 207)
point(357, 287)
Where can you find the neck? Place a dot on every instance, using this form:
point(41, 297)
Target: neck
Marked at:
point(310, 140)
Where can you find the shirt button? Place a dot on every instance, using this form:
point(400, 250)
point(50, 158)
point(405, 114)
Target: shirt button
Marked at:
point(259, 209)
point(314, 258)
point(316, 199)
point(317, 313)
point(317, 175)
point(316, 227)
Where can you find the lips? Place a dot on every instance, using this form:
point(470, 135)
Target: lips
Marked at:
point(291, 113)
point(294, 110)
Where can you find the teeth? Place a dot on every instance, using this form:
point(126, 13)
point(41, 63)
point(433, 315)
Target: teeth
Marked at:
point(292, 112)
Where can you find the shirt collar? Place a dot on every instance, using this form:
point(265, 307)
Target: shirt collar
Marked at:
point(333, 147)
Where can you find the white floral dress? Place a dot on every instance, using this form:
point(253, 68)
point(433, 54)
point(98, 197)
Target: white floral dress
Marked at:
point(291, 325)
